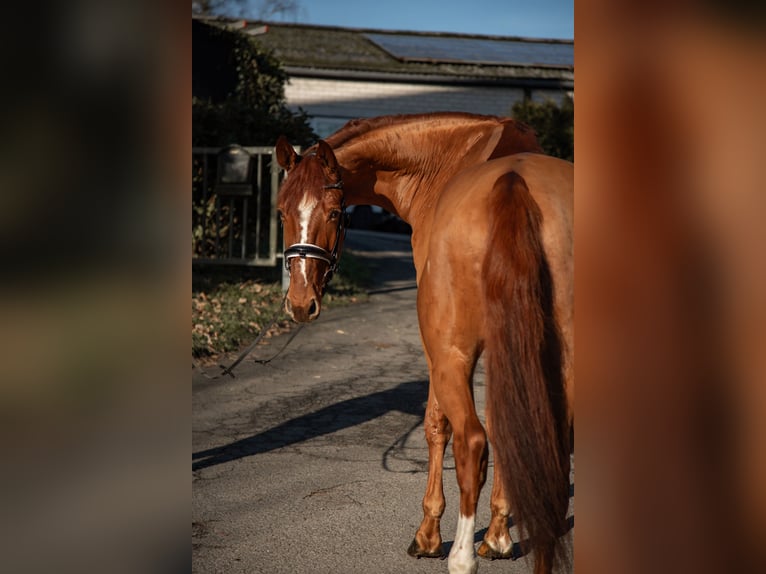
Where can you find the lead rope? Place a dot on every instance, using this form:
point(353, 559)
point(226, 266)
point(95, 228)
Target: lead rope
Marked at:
point(332, 268)
point(229, 370)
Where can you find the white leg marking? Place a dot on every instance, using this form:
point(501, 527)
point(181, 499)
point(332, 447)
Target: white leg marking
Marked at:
point(305, 209)
point(504, 544)
point(462, 557)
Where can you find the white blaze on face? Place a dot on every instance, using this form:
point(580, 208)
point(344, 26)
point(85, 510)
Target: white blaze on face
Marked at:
point(305, 209)
point(462, 557)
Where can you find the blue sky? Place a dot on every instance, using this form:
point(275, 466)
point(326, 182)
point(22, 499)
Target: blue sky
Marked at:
point(528, 18)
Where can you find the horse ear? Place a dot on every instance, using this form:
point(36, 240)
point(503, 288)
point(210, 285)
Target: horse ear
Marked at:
point(286, 155)
point(329, 161)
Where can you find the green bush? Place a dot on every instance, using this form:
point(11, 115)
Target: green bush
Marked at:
point(237, 97)
point(238, 92)
point(553, 124)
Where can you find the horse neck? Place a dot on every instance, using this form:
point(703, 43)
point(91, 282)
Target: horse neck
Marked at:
point(399, 188)
point(403, 168)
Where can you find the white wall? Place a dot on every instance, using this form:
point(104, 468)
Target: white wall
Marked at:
point(333, 102)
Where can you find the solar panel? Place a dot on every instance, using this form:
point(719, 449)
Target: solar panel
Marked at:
point(475, 50)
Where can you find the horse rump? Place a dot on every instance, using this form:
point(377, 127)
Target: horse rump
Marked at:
point(526, 400)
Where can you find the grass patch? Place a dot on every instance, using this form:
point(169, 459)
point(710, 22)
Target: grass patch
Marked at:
point(228, 315)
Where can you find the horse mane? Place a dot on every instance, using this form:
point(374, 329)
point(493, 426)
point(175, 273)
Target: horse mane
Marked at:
point(360, 127)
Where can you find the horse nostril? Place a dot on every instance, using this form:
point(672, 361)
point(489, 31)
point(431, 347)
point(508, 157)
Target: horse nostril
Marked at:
point(313, 309)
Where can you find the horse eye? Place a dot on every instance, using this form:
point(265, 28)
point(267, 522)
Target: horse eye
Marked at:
point(334, 214)
point(280, 215)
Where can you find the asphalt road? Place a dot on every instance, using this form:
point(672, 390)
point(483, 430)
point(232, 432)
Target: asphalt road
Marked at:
point(316, 462)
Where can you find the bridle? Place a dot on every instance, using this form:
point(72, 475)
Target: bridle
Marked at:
point(311, 251)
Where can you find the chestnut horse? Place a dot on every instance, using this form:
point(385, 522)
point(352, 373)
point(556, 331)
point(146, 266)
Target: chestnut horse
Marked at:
point(492, 246)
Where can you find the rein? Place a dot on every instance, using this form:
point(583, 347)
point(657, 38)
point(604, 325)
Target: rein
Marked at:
point(311, 251)
point(229, 370)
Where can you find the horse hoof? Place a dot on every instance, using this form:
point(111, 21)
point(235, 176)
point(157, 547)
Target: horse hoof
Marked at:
point(486, 551)
point(416, 551)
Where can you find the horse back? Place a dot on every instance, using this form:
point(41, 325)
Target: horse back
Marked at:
point(465, 202)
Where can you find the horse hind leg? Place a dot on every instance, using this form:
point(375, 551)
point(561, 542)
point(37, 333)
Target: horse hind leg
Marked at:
point(497, 543)
point(451, 384)
point(451, 341)
point(428, 540)
point(471, 454)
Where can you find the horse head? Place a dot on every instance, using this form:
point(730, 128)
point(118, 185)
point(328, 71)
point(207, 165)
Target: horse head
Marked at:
point(311, 207)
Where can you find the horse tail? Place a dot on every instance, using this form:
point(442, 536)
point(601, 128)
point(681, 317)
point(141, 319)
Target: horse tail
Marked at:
point(525, 389)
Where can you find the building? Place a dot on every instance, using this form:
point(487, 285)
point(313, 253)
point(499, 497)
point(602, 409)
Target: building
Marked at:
point(337, 74)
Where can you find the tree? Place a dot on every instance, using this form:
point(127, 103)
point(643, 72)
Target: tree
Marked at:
point(238, 92)
point(553, 123)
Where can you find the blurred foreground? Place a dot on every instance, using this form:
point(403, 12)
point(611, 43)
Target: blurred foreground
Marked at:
point(670, 132)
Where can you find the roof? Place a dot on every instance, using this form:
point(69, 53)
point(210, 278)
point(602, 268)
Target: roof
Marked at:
point(328, 51)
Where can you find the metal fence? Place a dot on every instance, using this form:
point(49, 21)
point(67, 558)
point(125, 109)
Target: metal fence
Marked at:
point(234, 192)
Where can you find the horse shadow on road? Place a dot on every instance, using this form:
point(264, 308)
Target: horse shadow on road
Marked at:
point(407, 397)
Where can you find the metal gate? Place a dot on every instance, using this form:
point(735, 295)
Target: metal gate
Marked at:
point(234, 192)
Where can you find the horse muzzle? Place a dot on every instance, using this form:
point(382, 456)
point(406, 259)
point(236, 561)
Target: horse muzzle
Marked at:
point(303, 311)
